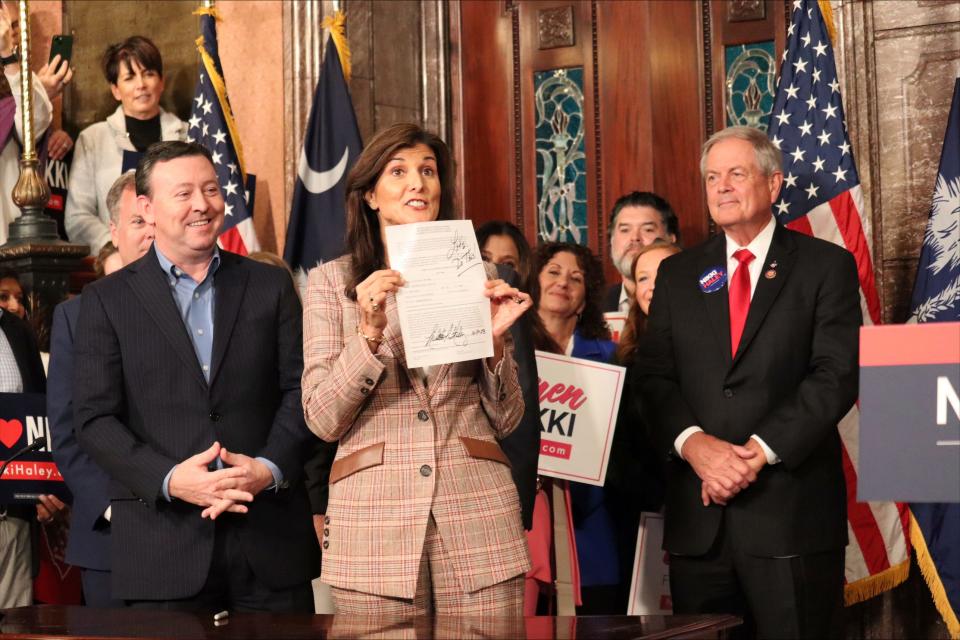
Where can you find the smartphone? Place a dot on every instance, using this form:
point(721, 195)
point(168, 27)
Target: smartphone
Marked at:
point(63, 45)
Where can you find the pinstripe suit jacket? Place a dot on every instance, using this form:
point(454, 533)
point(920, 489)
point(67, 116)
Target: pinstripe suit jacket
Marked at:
point(407, 452)
point(142, 405)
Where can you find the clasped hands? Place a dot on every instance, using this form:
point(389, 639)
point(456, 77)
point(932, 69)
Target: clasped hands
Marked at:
point(725, 469)
point(220, 490)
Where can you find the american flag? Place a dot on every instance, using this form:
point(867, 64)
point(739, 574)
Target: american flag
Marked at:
point(212, 125)
point(821, 196)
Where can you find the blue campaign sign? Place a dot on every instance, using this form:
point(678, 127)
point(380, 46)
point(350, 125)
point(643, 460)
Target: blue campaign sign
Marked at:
point(910, 413)
point(23, 419)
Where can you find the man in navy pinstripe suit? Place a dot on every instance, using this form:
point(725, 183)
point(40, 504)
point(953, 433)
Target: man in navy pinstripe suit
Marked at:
point(88, 546)
point(187, 392)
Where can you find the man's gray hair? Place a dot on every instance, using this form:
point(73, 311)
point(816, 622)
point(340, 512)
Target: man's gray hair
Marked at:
point(127, 180)
point(769, 158)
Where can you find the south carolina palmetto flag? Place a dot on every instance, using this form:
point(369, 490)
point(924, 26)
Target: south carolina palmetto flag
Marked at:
point(935, 530)
point(821, 197)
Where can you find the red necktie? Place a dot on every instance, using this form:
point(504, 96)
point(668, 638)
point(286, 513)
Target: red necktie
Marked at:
point(739, 297)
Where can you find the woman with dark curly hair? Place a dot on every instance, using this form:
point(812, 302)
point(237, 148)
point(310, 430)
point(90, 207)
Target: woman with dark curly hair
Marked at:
point(567, 288)
point(568, 292)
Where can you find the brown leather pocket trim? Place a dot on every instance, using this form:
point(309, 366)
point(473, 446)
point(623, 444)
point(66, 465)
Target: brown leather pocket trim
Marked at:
point(357, 461)
point(485, 450)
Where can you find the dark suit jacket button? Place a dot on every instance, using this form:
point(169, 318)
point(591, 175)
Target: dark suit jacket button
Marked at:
point(425, 470)
point(364, 390)
point(326, 543)
point(214, 417)
point(368, 382)
point(423, 415)
point(727, 392)
point(326, 519)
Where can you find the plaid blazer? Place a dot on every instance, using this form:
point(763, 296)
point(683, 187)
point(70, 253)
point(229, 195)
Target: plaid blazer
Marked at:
point(407, 452)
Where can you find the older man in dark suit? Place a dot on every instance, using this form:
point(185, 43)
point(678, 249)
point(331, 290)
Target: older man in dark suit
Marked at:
point(749, 363)
point(187, 392)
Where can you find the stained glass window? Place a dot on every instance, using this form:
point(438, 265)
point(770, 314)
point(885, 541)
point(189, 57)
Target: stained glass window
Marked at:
point(561, 161)
point(751, 83)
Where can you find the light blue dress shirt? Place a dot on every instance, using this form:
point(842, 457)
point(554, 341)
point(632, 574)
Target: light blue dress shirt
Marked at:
point(195, 301)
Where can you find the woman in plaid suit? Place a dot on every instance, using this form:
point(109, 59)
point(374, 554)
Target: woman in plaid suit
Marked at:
point(423, 515)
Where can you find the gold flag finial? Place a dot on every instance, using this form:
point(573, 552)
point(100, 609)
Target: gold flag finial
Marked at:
point(336, 24)
point(827, 11)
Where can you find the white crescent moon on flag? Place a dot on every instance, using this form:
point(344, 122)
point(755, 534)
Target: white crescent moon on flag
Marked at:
point(320, 181)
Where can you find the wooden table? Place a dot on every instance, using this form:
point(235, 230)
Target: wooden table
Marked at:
point(83, 622)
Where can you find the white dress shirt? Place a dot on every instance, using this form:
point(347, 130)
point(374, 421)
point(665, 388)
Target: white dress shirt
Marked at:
point(10, 379)
point(759, 247)
point(623, 305)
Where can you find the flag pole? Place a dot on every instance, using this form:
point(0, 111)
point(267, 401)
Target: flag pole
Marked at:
point(31, 192)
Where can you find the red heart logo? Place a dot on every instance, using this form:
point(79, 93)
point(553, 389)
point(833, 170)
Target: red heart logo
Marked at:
point(10, 432)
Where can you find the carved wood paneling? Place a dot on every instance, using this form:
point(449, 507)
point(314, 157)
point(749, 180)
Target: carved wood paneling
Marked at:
point(627, 155)
point(678, 113)
point(746, 10)
point(555, 27)
point(482, 85)
point(643, 129)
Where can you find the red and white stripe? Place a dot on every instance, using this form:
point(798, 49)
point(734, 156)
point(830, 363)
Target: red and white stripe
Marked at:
point(878, 530)
point(240, 238)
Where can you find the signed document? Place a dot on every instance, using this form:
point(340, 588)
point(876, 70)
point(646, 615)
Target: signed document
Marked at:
point(444, 316)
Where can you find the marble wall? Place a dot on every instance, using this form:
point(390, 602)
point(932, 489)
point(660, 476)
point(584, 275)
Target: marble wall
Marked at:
point(899, 60)
point(399, 63)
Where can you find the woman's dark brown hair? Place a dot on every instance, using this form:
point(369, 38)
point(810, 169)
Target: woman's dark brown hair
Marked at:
point(133, 48)
point(636, 324)
point(590, 323)
point(363, 226)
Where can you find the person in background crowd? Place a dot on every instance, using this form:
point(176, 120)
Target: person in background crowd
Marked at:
point(568, 286)
point(47, 84)
point(447, 537)
point(748, 363)
point(180, 351)
point(134, 70)
point(635, 470)
point(638, 218)
point(51, 584)
point(88, 546)
point(503, 243)
point(21, 371)
point(317, 468)
point(269, 257)
point(11, 293)
point(107, 260)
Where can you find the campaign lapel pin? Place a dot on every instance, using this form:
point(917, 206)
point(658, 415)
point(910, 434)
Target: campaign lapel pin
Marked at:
point(713, 279)
point(771, 272)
